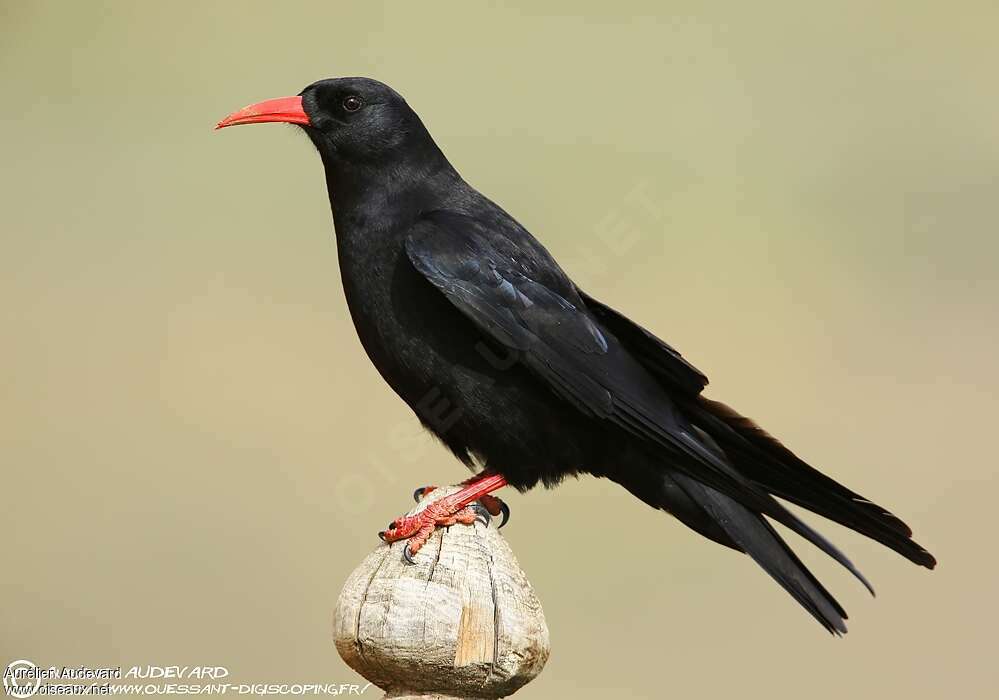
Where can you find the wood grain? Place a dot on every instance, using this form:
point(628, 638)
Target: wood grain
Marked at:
point(464, 622)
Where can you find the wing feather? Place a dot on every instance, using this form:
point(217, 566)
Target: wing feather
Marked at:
point(489, 280)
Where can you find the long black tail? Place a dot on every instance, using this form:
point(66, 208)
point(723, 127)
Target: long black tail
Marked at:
point(752, 534)
point(767, 462)
point(766, 469)
point(727, 521)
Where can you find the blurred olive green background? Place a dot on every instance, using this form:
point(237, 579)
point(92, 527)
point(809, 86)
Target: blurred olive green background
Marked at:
point(196, 451)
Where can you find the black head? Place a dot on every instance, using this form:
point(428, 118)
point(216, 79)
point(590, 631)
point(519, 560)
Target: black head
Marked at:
point(350, 120)
point(361, 119)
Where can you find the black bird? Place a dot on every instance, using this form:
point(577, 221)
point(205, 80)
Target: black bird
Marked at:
point(475, 326)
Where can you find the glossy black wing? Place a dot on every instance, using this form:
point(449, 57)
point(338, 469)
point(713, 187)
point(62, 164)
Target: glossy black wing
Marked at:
point(660, 358)
point(488, 281)
point(494, 281)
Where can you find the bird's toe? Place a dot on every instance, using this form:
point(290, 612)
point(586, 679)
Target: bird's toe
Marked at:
point(408, 555)
point(421, 493)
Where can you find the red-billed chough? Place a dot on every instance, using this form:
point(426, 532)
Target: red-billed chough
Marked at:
point(475, 326)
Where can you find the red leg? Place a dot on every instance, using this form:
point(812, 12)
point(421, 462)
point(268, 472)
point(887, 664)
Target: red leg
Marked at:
point(446, 511)
point(493, 505)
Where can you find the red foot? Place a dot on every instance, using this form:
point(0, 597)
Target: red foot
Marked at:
point(493, 505)
point(445, 512)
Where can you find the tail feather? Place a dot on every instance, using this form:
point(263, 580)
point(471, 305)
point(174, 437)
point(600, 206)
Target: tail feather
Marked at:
point(767, 462)
point(752, 534)
point(752, 468)
point(765, 504)
point(728, 522)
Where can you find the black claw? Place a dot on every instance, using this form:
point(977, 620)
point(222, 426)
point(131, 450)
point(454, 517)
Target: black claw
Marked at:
point(505, 510)
point(407, 555)
point(481, 514)
point(381, 536)
point(418, 494)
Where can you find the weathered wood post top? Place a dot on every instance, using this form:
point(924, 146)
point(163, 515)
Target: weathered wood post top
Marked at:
point(463, 622)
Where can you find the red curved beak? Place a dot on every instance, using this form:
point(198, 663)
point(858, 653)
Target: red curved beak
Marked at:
point(281, 109)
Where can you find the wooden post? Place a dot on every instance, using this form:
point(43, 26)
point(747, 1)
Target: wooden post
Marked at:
point(463, 622)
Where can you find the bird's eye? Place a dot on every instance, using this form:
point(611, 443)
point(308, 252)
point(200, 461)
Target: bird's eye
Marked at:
point(352, 103)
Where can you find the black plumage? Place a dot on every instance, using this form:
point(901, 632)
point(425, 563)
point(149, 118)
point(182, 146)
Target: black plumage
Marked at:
point(474, 325)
